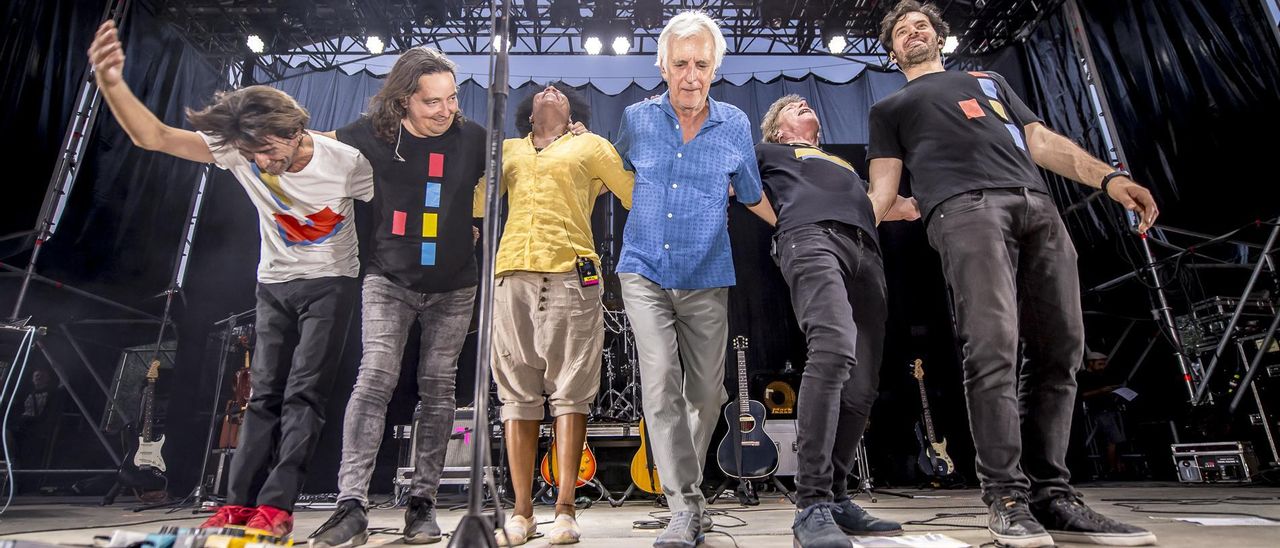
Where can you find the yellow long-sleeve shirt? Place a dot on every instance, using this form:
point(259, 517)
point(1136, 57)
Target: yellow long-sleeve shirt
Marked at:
point(550, 195)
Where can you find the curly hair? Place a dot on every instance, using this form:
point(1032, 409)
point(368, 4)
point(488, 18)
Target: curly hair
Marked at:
point(386, 108)
point(901, 10)
point(769, 124)
point(579, 109)
point(249, 115)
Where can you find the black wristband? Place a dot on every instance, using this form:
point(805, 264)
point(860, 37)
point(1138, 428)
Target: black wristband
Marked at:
point(1113, 175)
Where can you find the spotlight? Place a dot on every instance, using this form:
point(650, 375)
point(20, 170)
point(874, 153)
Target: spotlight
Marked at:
point(648, 13)
point(593, 45)
point(621, 45)
point(255, 43)
point(594, 33)
point(775, 14)
point(833, 37)
point(564, 13)
point(950, 45)
point(374, 44)
point(500, 43)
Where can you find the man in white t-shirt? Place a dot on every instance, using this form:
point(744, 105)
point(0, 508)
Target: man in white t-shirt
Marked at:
point(307, 291)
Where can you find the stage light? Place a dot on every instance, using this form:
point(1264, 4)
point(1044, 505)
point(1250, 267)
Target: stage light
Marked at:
point(621, 45)
point(255, 43)
point(434, 13)
point(500, 43)
point(775, 14)
point(594, 34)
point(833, 36)
point(648, 13)
point(593, 45)
point(564, 13)
point(374, 44)
point(950, 45)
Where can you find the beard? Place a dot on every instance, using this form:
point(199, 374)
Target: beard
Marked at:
point(917, 56)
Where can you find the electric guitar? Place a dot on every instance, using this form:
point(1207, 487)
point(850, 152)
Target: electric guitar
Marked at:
point(933, 459)
point(147, 454)
point(643, 472)
point(551, 468)
point(746, 452)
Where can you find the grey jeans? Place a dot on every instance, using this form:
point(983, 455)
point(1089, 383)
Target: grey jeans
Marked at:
point(1012, 270)
point(388, 312)
point(674, 326)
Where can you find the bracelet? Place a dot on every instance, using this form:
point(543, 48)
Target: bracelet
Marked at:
point(1113, 175)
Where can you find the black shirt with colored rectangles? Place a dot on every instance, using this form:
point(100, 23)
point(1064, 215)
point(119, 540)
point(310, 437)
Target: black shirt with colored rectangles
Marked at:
point(955, 132)
point(421, 208)
point(808, 185)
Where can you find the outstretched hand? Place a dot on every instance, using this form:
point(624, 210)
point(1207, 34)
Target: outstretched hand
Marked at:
point(1135, 198)
point(107, 55)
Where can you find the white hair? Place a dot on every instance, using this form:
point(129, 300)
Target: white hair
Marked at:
point(687, 24)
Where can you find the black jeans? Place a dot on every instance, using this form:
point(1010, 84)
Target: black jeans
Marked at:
point(301, 329)
point(838, 292)
point(1012, 270)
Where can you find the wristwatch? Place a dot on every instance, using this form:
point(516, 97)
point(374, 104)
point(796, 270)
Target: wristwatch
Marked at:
point(1113, 175)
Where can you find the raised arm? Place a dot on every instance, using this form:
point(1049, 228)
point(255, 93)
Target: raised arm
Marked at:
point(107, 56)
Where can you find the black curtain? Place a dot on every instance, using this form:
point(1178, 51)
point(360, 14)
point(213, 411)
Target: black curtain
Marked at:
point(1193, 88)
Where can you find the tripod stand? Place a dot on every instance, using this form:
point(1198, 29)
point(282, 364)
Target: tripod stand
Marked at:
point(863, 475)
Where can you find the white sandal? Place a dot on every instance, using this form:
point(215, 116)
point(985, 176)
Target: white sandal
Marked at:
point(564, 531)
point(518, 530)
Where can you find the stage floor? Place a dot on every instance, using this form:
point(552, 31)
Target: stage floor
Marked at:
point(764, 526)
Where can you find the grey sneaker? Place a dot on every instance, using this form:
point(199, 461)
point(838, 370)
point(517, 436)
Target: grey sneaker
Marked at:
point(1068, 520)
point(853, 520)
point(814, 528)
point(420, 525)
point(683, 531)
point(1012, 524)
point(348, 526)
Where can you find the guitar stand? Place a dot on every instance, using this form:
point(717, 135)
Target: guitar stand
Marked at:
point(746, 491)
point(547, 488)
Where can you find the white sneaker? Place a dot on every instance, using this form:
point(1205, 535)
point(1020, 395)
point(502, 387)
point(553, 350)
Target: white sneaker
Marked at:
point(518, 530)
point(564, 530)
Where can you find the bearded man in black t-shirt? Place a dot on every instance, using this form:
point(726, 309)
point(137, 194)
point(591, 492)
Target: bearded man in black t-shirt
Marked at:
point(972, 147)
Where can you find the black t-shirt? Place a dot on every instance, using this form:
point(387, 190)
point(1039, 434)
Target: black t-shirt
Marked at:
point(807, 185)
point(955, 132)
point(1087, 381)
point(421, 208)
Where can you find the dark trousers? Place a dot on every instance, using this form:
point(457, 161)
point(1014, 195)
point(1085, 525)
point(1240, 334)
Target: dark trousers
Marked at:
point(838, 292)
point(301, 329)
point(1012, 270)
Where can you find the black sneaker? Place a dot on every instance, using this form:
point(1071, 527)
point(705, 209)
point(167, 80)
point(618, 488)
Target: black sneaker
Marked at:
point(1069, 520)
point(1013, 525)
point(348, 526)
point(853, 520)
point(420, 525)
point(815, 528)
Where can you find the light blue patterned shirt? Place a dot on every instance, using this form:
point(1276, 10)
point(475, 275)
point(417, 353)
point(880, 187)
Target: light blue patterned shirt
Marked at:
point(677, 232)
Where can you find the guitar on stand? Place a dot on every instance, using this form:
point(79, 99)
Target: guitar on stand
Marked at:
point(933, 459)
point(746, 452)
point(233, 415)
point(143, 467)
point(587, 467)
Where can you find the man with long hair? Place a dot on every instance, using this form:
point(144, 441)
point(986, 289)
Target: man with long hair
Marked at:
point(421, 266)
point(302, 188)
point(972, 148)
point(548, 326)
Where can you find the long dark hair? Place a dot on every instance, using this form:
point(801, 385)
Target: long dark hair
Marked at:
point(579, 109)
point(247, 116)
point(387, 109)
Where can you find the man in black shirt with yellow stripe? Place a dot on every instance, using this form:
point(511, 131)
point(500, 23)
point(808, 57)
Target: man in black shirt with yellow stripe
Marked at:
point(827, 247)
point(972, 148)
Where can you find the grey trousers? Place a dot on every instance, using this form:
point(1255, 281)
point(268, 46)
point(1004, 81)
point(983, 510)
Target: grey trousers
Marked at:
point(1012, 270)
point(681, 404)
point(388, 312)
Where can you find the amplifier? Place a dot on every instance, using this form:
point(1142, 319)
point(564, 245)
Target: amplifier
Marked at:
point(1219, 462)
point(783, 433)
point(457, 453)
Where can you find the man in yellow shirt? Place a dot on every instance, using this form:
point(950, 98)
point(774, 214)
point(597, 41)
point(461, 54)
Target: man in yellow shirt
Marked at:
point(548, 325)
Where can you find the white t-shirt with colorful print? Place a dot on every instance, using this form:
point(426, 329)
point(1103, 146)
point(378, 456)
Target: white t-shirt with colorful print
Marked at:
point(306, 219)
